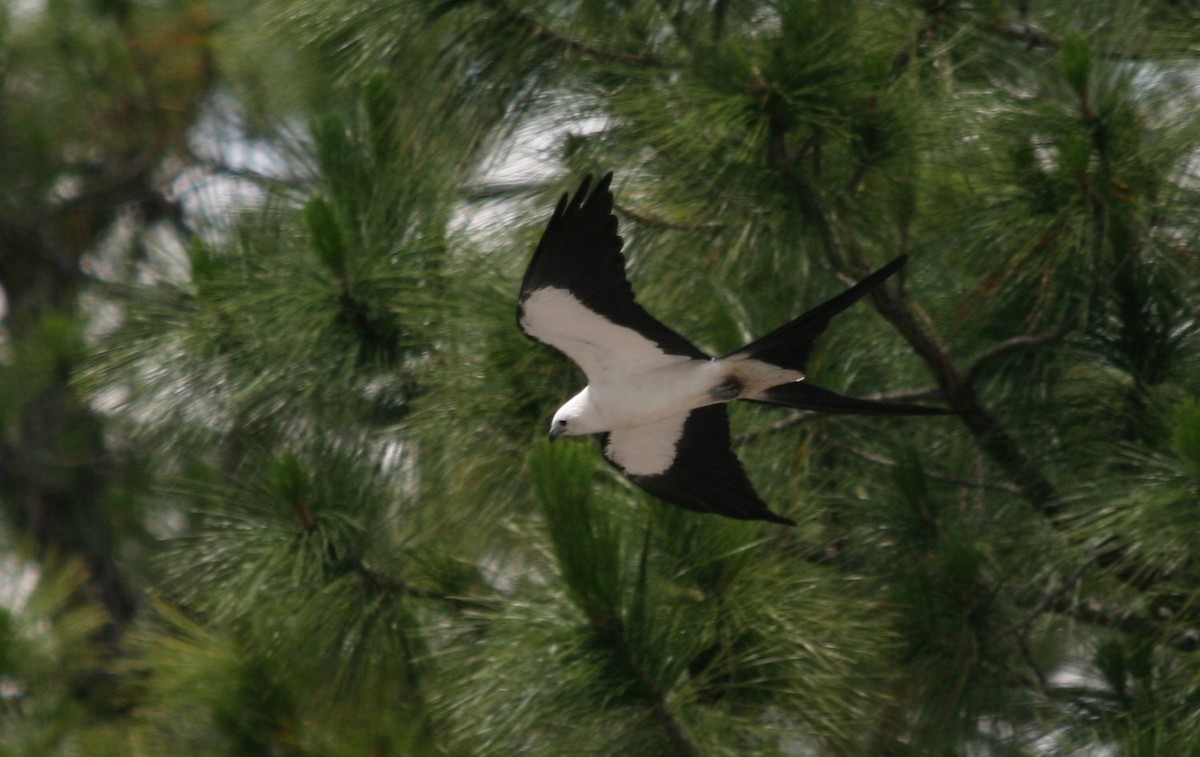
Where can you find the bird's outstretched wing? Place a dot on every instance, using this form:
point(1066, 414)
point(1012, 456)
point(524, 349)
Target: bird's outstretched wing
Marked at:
point(688, 460)
point(576, 298)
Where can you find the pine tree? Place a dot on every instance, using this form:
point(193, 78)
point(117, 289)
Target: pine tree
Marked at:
point(272, 473)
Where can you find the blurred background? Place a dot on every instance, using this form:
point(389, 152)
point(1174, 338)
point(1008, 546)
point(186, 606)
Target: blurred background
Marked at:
point(272, 474)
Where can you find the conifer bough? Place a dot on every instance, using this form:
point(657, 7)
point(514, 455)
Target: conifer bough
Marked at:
point(657, 401)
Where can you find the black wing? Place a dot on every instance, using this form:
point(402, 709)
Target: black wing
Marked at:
point(688, 461)
point(576, 298)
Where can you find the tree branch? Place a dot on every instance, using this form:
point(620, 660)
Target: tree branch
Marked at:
point(1023, 343)
point(1019, 31)
point(653, 220)
point(540, 31)
point(1046, 602)
point(846, 259)
point(872, 457)
point(677, 735)
point(1093, 613)
point(961, 396)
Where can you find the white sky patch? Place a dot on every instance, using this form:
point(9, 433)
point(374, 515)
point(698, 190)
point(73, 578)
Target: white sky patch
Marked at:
point(232, 164)
point(21, 10)
point(529, 157)
point(18, 579)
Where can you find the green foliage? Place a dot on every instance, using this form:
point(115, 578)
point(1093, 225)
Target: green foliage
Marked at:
point(1185, 436)
point(48, 654)
point(326, 237)
point(311, 442)
point(587, 540)
point(662, 643)
point(42, 358)
point(210, 696)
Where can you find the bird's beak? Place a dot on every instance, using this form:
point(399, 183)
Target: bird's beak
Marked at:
point(554, 433)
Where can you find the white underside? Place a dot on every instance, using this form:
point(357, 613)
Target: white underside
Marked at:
point(637, 392)
point(647, 450)
point(624, 401)
point(603, 349)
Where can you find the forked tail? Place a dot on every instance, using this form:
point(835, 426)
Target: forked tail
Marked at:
point(808, 396)
point(789, 347)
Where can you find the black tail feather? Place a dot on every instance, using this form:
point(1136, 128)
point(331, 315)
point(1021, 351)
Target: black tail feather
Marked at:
point(806, 396)
point(789, 345)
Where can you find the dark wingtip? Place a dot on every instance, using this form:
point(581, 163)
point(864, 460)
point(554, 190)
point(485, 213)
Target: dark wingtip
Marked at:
point(771, 517)
point(582, 193)
point(586, 194)
point(883, 274)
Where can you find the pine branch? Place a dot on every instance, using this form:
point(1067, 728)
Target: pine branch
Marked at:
point(1033, 37)
point(1136, 625)
point(648, 219)
point(681, 742)
point(56, 467)
point(376, 580)
point(371, 578)
point(877, 459)
point(990, 434)
point(1029, 35)
point(1093, 613)
point(848, 261)
point(1016, 30)
point(1019, 31)
point(1022, 343)
point(293, 184)
point(540, 31)
point(719, 14)
point(1046, 602)
point(501, 190)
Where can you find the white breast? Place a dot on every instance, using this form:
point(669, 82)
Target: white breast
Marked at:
point(654, 395)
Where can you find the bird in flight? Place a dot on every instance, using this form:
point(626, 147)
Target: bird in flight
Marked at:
point(655, 399)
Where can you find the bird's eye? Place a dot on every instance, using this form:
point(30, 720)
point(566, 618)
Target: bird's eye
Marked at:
point(562, 424)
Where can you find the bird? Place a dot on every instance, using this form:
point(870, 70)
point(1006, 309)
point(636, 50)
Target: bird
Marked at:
point(657, 402)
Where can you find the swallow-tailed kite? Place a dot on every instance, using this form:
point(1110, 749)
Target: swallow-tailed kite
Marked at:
point(656, 400)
